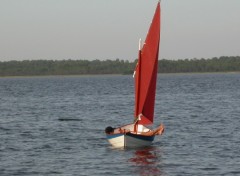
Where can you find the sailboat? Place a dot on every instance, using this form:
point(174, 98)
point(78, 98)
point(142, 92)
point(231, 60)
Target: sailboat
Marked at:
point(145, 75)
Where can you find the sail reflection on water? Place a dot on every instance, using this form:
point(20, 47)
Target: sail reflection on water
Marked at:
point(147, 161)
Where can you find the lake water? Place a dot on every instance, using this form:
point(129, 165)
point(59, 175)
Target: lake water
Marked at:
point(201, 113)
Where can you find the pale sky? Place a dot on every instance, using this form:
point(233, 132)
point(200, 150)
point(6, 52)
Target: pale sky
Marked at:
point(110, 29)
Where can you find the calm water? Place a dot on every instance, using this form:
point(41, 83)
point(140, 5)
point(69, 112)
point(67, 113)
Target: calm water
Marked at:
point(201, 113)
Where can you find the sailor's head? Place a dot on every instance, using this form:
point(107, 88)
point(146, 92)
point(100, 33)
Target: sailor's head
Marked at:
point(109, 130)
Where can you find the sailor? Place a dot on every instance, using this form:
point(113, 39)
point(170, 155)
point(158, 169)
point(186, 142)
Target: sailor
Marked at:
point(157, 131)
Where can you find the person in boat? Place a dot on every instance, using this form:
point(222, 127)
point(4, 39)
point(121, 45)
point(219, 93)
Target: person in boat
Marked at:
point(157, 131)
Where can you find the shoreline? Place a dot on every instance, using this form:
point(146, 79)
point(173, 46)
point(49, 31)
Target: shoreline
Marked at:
point(93, 75)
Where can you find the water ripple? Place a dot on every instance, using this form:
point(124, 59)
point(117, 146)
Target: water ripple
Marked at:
point(55, 126)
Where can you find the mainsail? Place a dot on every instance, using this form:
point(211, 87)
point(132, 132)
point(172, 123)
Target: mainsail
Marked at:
point(146, 73)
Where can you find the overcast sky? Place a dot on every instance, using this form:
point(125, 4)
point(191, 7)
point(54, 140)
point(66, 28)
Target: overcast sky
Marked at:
point(110, 29)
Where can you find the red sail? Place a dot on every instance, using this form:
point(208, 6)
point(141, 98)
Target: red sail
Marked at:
point(146, 73)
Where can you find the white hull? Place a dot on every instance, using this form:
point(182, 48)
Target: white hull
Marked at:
point(116, 140)
point(130, 139)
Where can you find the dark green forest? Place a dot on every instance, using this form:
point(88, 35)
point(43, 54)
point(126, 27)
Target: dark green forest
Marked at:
point(81, 67)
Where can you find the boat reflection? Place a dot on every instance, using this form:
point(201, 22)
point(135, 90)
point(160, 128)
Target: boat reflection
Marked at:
point(147, 161)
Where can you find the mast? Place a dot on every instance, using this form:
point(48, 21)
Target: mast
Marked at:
point(138, 79)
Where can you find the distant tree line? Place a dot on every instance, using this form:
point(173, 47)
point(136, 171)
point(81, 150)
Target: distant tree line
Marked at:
point(64, 67)
point(81, 67)
point(221, 64)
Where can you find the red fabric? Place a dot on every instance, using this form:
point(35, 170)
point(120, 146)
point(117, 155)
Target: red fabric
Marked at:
point(146, 72)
